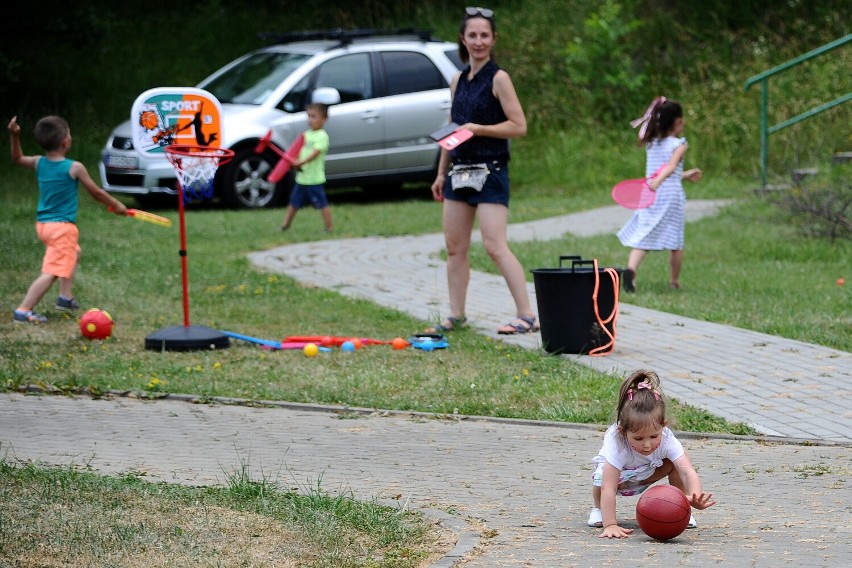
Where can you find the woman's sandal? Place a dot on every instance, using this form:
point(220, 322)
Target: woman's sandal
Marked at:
point(449, 324)
point(519, 325)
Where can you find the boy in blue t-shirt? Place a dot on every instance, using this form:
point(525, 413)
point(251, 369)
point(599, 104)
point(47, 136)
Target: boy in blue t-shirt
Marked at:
point(310, 167)
point(56, 215)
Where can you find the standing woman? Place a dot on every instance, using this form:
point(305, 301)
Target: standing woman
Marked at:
point(484, 102)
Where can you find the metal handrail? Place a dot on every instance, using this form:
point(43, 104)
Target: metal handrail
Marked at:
point(763, 79)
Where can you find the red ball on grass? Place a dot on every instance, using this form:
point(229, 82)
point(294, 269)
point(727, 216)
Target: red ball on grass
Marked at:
point(96, 324)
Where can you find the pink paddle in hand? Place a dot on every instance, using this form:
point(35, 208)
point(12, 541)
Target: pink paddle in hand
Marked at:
point(635, 193)
point(287, 158)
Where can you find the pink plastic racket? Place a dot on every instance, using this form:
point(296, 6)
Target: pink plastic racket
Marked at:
point(635, 193)
point(287, 159)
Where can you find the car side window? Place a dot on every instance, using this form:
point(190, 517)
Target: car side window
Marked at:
point(410, 72)
point(297, 98)
point(453, 55)
point(351, 75)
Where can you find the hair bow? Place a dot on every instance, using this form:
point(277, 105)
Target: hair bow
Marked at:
point(645, 119)
point(644, 385)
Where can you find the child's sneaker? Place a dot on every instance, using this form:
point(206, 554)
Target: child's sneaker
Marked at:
point(64, 305)
point(29, 317)
point(692, 524)
point(596, 518)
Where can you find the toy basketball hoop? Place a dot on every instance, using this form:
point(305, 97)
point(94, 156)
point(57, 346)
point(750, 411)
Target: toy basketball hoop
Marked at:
point(196, 168)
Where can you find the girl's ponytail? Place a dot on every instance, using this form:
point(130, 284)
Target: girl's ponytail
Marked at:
point(657, 120)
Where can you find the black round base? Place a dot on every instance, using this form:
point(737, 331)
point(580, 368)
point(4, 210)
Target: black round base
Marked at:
point(186, 338)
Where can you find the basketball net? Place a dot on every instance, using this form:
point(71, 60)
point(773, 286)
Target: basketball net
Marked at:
point(196, 168)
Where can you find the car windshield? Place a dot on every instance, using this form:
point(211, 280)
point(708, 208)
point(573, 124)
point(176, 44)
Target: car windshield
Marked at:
point(253, 79)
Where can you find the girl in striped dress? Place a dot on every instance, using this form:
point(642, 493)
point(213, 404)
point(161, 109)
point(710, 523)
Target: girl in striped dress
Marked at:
point(660, 226)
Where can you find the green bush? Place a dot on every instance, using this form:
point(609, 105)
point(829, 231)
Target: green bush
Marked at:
point(820, 207)
point(583, 69)
point(603, 61)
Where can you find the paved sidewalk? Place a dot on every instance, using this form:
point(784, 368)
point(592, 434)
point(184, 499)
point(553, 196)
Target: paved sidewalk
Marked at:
point(518, 492)
point(779, 386)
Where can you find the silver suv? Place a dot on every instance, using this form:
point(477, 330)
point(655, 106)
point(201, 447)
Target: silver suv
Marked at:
point(394, 92)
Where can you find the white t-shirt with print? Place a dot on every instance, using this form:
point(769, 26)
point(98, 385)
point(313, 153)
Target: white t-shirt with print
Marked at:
point(634, 466)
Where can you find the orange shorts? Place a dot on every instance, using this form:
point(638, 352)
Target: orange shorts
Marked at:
point(63, 249)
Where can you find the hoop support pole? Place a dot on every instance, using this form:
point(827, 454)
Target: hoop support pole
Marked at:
point(184, 263)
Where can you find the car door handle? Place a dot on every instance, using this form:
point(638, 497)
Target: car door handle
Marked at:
point(446, 105)
point(369, 115)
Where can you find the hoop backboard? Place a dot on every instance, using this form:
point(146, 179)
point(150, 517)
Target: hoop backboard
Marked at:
point(164, 116)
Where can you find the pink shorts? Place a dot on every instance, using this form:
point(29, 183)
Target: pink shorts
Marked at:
point(63, 249)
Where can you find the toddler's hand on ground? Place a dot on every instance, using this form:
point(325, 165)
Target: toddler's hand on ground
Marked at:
point(615, 531)
point(702, 500)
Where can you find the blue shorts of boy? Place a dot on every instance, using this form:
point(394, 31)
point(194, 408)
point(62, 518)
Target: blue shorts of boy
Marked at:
point(304, 194)
point(495, 190)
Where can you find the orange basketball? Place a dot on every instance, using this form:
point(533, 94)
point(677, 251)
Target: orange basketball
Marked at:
point(663, 512)
point(149, 120)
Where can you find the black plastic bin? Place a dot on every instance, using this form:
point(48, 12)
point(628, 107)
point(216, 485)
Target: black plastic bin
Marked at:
point(566, 306)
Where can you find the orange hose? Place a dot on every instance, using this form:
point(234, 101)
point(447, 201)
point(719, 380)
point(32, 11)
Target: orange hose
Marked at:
point(610, 346)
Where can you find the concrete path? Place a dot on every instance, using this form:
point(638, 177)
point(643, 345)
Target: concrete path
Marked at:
point(516, 492)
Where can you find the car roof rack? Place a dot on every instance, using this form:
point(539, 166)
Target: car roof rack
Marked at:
point(344, 37)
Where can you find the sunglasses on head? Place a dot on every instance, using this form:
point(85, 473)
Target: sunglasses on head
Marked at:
point(473, 11)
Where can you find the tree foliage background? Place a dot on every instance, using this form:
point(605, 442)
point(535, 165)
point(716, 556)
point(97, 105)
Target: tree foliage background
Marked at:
point(578, 64)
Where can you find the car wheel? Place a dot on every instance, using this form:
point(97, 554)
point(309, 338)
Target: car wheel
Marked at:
point(244, 181)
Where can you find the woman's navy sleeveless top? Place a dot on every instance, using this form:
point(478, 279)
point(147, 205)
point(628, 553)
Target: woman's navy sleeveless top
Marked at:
point(475, 102)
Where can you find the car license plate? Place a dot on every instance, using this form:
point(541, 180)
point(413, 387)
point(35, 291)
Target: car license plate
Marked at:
point(121, 162)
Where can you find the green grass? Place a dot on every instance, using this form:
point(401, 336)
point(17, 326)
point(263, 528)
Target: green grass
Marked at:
point(132, 270)
point(730, 280)
point(73, 517)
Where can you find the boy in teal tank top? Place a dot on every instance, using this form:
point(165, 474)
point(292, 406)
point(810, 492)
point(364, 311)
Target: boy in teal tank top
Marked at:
point(56, 213)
